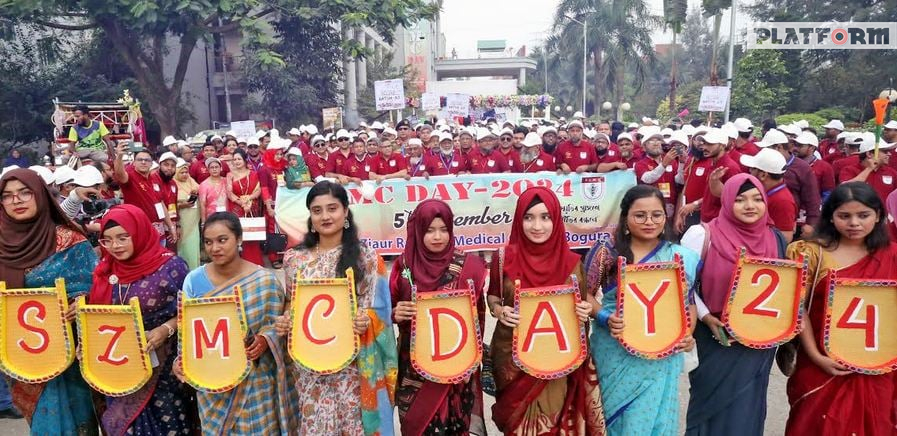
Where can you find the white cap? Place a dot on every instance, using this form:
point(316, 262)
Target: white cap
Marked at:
point(343, 133)
point(767, 160)
point(418, 142)
point(506, 131)
point(328, 136)
point(294, 151)
point(730, 130)
point(317, 138)
point(278, 144)
point(869, 143)
point(677, 136)
point(376, 125)
point(688, 129)
point(547, 129)
point(856, 138)
point(63, 175)
point(295, 131)
point(807, 138)
point(472, 131)
point(803, 124)
point(483, 133)
point(260, 133)
point(773, 137)
point(243, 141)
point(625, 135)
point(88, 176)
point(578, 114)
point(181, 142)
point(214, 137)
point(632, 126)
point(743, 125)
point(390, 131)
point(253, 141)
point(666, 132)
point(714, 136)
point(167, 156)
point(791, 129)
point(182, 163)
point(846, 136)
point(891, 124)
point(43, 172)
point(311, 129)
point(647, 131)
point(231, 133)
point(575, 123)
point(168, 141)
point(532, 140)
point(596, 135)
point(443, 136)
point(837, 125)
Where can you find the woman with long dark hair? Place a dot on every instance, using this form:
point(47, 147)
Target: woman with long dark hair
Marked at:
point(826, 398)
point(728, 388)
point(243, 191)
point(640, 396)
point(332, 404)
point(538, 255)
point(431, 263)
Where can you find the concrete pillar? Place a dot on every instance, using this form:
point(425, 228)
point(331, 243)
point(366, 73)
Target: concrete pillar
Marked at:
point(362, 67)
point(351, 90)
point(521, 79)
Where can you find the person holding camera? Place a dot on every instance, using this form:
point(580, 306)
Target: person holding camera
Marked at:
point(142, 188)
point(85, 203)
point(188, 194)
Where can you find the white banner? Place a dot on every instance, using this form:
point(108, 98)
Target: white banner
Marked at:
point(429, 101)
point(457, 104)
point(243, 129)
point(389, 94)
point(713, 99)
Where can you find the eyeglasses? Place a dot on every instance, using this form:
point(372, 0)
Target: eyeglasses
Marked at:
point(143, 160)
point(253, 146)
point(320, 144)
point(506, 139)
point(23, 196)
point(403, 128)
point(119, 240)
point(656, 217)
point(342, 139)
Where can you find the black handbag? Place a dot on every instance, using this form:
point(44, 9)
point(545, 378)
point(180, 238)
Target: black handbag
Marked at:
point(274, 243)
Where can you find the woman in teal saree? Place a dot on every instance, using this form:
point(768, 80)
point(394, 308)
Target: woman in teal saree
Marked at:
point(640, 396)
point(38, 245)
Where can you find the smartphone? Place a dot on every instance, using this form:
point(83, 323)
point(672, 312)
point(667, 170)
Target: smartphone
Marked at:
point(192, 198)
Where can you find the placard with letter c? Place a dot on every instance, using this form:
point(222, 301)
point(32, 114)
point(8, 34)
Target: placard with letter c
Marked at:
point(113, 357)
point(210, 335)
point(446, 343)
point(36, 344)
point(322, 338)
point(765, 306)
point(652, 300)
point(550, 341)
point(860, 321)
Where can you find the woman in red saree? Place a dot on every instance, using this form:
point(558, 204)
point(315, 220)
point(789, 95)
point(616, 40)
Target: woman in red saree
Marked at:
point(431, 263)
point(826, 398)
point(244, 191)
point(537, 254)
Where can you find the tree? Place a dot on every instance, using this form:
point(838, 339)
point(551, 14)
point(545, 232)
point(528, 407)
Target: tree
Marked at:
point(295, 92)
point(714, 8)
point(674, 12)
point(380, 68)
point(758, 90)
point(143, 31)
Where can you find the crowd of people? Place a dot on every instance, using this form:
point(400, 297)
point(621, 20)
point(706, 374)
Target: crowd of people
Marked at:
point(703, 194)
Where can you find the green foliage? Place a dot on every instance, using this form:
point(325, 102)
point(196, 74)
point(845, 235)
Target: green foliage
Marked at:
point(815, 121)
point(687, 97)
point(380, 68)
point(758, 89)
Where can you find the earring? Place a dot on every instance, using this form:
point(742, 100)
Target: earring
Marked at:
point(346, 224)
point(625, 231)
point(313, 230)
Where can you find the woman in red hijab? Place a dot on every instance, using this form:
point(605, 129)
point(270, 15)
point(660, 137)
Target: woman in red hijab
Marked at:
point(537, 254)
point(431, 264)
point(133, 264)
point(271, 176)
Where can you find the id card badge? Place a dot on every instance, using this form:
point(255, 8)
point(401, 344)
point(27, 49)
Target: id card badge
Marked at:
point(172, 211)
point(280, 180)
point(664, 188)
point(154, 359)
point(160, 210)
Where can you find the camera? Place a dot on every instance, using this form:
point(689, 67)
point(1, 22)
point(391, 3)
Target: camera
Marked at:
point(96, 207)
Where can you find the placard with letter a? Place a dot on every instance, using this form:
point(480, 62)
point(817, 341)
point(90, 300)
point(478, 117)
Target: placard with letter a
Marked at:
point(36, 344)
point(860, 322)
point(550, 341)
point(652, 300)
point(113, 357)
point(210, 336)
point(446, 345)
point(322, 338)
point(765, 305)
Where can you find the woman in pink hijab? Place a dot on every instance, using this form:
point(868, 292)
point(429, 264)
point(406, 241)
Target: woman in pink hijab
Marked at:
point(728, 389)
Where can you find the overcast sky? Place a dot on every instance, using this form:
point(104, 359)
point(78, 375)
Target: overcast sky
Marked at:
point(519, 22)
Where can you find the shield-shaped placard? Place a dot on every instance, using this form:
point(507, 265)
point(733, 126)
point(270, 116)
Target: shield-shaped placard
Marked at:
point(446, 346)
point(860, 321)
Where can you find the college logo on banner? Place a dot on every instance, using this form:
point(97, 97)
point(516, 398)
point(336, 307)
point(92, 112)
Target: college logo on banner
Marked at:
point(765, 304)
point(210, 334)
point(860, 322)
point(651, 299)
point(113, 357)
point(322, 339)
point(35, 341)
point(593, 187)
point(446, 345)
point(550, 341)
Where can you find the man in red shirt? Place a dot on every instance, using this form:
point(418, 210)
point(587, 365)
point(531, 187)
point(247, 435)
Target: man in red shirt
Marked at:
point(531, 158)
point(610, 157)
point(445, 159)
point(414, 159)
point(768, 166)
point(549, 139)
point(506, 148)
point(389, 164)
point(317, 159)
point(576, 154)
point(805, 145)
point(829, 143)
point(143, 189)
point(745, 143)
point(852, 145)
point(627, 150)
point(660, 169)
point(484, 159)
point(169, 188)
point(466, 139)
point(713, 146)
point(337, 161)
point(875, 172)
point(358, 166)
point(198, 169)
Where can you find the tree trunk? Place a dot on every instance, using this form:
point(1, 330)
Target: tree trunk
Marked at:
point(620, 88)
point(714, 59)
point(598, 60)
point(673, 71)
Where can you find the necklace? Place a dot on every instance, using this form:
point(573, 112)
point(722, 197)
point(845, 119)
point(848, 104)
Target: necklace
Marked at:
point(123, 299)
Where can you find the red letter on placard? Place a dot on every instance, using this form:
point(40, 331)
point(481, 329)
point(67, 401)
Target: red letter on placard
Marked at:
point(556, 328)
point(648, 304)
point(29, 308)
point(436, 352)
point(306, 326)
point(110, 349)
point(756, 307)
point(219, 341)
point(850, 320)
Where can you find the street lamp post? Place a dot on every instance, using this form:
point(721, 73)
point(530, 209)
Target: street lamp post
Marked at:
point(585, 57)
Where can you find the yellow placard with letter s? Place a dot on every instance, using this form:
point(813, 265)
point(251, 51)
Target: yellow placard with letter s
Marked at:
point(446, 346)
point(35, 341)
point(322, 338)
point(550, 341)
point(113, 357)
point(210, 341)
point(860, 321)
point(652, 300)
point(765, 304)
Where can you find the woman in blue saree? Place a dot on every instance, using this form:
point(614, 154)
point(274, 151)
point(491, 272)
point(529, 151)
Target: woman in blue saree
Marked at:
point(38, 244)
point(262, 403)
point(640, 396)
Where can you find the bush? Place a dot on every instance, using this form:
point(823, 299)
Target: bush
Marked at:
point(815, 121)
point(845, 114)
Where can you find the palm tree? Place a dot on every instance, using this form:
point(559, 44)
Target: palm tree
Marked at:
point(674, 12)
point(715, 8)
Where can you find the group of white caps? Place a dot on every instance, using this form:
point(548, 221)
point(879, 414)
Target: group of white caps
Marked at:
point(85, 176)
